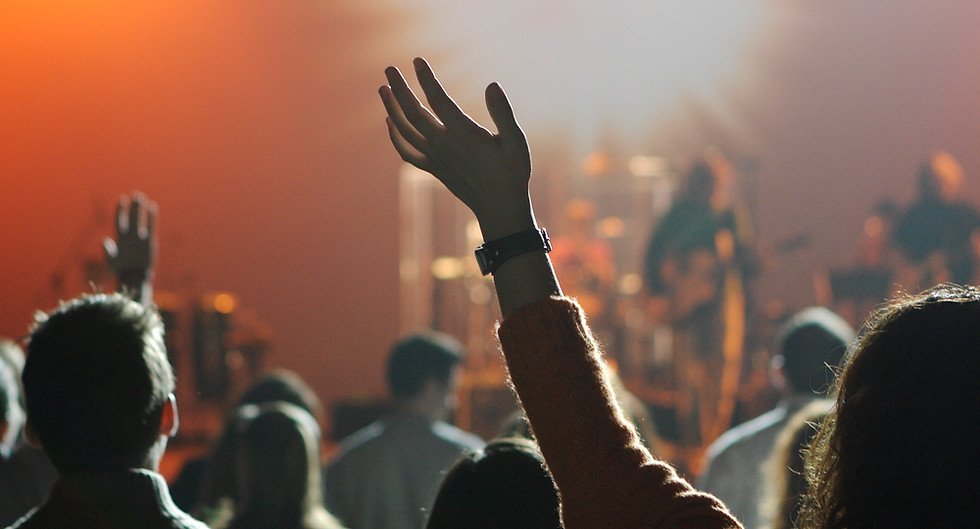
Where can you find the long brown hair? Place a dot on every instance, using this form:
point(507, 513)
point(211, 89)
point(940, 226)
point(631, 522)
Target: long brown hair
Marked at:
point(900, 447)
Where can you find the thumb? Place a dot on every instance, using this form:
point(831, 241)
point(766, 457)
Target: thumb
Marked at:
point(111, 250)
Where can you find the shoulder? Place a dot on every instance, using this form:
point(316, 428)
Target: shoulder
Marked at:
point(358, 446)
point(747, 432)
point(363, 437)
point(456, 436)
point(27, 521)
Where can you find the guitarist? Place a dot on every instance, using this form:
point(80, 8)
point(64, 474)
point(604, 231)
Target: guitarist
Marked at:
point(695, 269)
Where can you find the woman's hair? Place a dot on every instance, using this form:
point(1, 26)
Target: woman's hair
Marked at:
point(505, 485)
point(277, 468)
point(282, 385)
point(219, 477)
point(900, 448)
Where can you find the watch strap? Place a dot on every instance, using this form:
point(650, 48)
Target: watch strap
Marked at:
point(490, 255)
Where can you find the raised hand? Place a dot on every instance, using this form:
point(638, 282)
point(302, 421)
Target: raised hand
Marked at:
point(132, 255)
point(488, 172)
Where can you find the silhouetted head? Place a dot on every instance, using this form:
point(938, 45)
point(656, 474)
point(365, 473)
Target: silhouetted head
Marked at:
point(941, 178)
point(810, 346)
point(98, 384)
point(700, 183)
point(421, 358)
point(505, 485)
point(277, 468)
point(282, 385)
point(900, 449)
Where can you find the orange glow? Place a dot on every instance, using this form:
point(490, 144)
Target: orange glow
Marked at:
point(224, 303)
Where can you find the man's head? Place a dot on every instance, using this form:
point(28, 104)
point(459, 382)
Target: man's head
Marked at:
point(808, 347)
point(421, 366)
point(98, 384)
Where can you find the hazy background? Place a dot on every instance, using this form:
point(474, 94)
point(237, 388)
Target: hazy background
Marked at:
point(256, 127)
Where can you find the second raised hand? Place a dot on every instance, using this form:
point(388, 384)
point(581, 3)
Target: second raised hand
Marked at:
point(488, 172)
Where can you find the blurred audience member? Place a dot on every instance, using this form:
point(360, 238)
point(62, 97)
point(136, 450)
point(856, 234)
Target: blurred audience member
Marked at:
point(26, 474)
point(11, 414)
point(809, 346)
point(203, 482)
point(386, 474)
point(935, 235)
point(276, 463)
point(784, 485)
point(505, 485)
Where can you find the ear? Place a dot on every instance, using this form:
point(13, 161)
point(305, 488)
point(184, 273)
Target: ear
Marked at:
point(31, 436)
point(169, 421)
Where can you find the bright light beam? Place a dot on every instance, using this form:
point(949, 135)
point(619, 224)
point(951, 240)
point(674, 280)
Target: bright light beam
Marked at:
point(584, 65)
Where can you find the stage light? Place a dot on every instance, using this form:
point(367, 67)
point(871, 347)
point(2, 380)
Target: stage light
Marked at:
point(585, 65)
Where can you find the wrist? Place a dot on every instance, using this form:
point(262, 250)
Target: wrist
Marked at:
point(500, 224)
point(492, 254)
point(134, 276)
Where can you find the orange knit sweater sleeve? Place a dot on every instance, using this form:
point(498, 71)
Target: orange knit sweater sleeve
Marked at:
point(605, 476)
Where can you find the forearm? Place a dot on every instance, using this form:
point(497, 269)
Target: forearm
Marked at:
point(604, 474)
point(527, 278)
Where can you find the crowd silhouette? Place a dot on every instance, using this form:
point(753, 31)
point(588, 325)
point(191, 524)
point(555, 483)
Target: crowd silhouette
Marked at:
point(876, 429)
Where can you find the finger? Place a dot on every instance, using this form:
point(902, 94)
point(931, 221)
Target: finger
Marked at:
point(111, 250)
point(417, 115)
point(151, 219)
point(135, 211)
point(404, 148)
point(502, 115)
point(398, 119)
point(122, 226)
point(445, 108)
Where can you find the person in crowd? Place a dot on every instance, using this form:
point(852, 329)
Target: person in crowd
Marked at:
point(696, 268)
point(387, 474)
point(100, 402)
point(606, 478)
point(26, 474)
point(276, 462)
point(785, 480)
point(203, 482)
point(11, 414)
point(935, 236)
point(809, 346)
point(504, 485)
point(898, 449)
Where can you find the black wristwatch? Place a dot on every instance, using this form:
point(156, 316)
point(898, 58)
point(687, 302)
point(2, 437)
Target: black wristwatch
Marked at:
point(492, 254)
